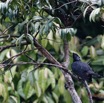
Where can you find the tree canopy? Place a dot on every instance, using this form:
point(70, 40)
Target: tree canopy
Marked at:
point(36, 41)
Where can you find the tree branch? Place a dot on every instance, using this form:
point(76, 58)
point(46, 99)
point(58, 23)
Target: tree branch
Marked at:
point(68, 78)
point(32, 63)
point(6, 30)
point(69, 81)
point(19, 54)
point(98, 97)
point(46, 53)
point(66, 54)
point(88, 91)
point(2, 48)
point(7, 36)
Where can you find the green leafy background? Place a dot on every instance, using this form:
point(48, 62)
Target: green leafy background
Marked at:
point(23, 84)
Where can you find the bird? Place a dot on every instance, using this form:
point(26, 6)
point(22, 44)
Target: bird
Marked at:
point(82, 69)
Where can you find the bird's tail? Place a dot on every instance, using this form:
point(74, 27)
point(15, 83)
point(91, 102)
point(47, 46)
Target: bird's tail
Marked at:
point(95, 75)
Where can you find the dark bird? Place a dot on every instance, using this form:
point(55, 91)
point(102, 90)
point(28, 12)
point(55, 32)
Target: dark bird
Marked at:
point(82, 70)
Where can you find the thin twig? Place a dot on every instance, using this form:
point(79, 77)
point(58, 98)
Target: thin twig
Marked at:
point(19, 54)
point(36, 67)
point(6, 36)
point(38, 64)
point(27, 28)
point(6, 29)
point(2, 48)
point(24, 63)
point(37, 33)
point(65, 4)
point(10, 67)
point(98, 97)
point(88, 91)
point(46, 53)
point(30, 58)
point(13, 57)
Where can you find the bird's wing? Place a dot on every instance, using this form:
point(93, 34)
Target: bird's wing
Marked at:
point(85, 66)
point(81, 68)
point(78, 68)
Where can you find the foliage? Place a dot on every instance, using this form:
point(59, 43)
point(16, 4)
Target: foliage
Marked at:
point(20, 21)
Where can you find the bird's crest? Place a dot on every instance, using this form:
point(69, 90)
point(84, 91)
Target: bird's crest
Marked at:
point(76, 57)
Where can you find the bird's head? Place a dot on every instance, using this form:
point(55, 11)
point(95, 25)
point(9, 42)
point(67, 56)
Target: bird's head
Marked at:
point(76, 57)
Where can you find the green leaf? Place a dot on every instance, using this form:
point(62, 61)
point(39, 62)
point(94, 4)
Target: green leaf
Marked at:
point(63, 32)
point(45, 99)
point(7, 19)
point(3, 54)
point(17, 96)
point(20, 89)
point(36, 74)
point(51, 78)
point(37, 18)
point(47, 1)
point(13, 70)
point(99, 61)
point(67, 33)
point(61, 84)
point(56, 72)
point(37, 89)
point(9, 75)
point(85, 11)
point(84, 99)
point(41, 29)
point(55, 97)
point(56, 46)
point(31, 78)
point(28, 90)
point(84, 50)
point(50, 37)
point(93, 14)
point(92, 52)
point(57, 21)
point(14, 52)
point(44, 42)
point(102, 42)
point(68, 37)
point(12, 99)
point(21, 25)
point(72, 31)
point(57, 42)
point(30, 38)
point(43, 79)
point(36, 101)
point(19, 40)
point(35, 26)
point(24, 76)
point(4, 92)
point(47, 27)
point(49, 99)
point(67, 97)
point(25, 90)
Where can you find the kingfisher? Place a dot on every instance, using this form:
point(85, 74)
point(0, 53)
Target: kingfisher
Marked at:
point(82, 70)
